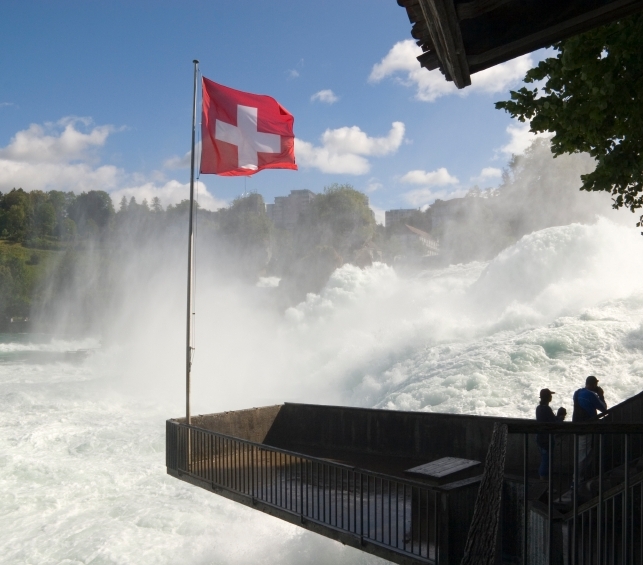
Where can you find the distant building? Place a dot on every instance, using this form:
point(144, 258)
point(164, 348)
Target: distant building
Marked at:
point(430, 245)
point(400, 216)
point(416, 242)
point(254, 202)
point(287, 210)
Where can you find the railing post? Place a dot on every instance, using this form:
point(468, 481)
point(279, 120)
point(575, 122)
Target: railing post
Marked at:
point(252, 473)
point(599, 512)
point(301, 487)
point(626, 494)
point(575, 499)
point(550, 500)
point(361, 507)
point(525, 494)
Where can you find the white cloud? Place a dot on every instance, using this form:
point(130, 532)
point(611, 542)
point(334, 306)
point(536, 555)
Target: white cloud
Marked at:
point(172, 192)
point(57, 176)
point(327, 161)
point(326, 96)
point(61, 156)
point(427, 195)
point(380, 214)
point(354, 140)
point(423, 197)
point(430, 85)
point(402, 57)
point(373, 185)
point(48, 144)
point(57, 156)
point(486, 174)
point(294, 73)
point(6, 104)
point(344, 150)
point(520, 138)
point(439, 177)
point(177, 162)
point(501, 77)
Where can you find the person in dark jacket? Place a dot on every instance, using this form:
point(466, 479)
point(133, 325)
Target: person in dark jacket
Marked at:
point(545, 414)
point(588, 402)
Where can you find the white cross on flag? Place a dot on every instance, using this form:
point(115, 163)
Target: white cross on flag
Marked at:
point(243, 133)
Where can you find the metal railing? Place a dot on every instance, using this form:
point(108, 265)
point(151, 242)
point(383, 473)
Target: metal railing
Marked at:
point(590, 508)
point(401, 516)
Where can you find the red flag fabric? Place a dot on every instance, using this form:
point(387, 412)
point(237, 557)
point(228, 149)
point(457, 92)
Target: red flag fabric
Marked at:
point(243, 133)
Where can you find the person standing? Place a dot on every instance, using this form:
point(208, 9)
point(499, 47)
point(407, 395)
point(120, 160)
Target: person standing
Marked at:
point(545, 414)
point(588, 401)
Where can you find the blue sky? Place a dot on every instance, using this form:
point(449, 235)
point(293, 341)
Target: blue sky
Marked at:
point(97, 95)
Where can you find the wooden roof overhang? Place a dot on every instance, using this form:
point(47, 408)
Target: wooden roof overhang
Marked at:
point(463, 37)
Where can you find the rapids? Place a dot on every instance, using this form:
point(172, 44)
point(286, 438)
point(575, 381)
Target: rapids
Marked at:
point(82, 476)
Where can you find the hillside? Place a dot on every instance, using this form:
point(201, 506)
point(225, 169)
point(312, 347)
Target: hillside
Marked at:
point(23, 273)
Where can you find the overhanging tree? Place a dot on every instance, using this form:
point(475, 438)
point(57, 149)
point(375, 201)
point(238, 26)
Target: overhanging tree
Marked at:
point(591, 100)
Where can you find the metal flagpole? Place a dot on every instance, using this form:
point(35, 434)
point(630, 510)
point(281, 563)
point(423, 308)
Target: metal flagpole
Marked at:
point(189, 348)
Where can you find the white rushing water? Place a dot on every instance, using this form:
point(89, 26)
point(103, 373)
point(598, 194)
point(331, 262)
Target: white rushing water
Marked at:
point(82, 476)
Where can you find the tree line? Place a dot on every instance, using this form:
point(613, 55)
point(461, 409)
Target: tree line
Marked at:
point(92, 238)
point(83, 241)
point(39, 219)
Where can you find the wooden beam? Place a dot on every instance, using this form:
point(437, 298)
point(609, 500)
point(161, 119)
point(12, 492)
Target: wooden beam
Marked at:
point(444, 28)
point(589, 20)
point(429, 60)
point(480, 547)
point(470, 10)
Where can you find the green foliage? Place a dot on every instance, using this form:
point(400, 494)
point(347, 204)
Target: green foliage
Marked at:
point(591, 101)
point(20, 272)
point(44, 219)
point(180, 209)
point(36, 218)
point(68, 229)
point(245, 223)
point(16, 222)
point(92, 211)
point(341, 218)
point(61, 248)
point(157, 207)
point(244, 233)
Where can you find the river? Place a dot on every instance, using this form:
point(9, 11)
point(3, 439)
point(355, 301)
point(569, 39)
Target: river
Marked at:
point(82, 476)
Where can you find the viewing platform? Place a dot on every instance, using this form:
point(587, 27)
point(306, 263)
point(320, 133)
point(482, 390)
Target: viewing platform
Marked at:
point(351, 474)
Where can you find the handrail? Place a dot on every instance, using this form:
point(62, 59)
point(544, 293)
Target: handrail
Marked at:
point(481, 542)
point(407, 520)
point(618, 407)
point(274, 449)
point(591, 483)
point(595, 427)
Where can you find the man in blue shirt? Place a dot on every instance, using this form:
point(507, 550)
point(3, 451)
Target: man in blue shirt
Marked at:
point(588, 402)
point(544, 413)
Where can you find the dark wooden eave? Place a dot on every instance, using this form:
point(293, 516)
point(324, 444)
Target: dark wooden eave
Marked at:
point(464, 37)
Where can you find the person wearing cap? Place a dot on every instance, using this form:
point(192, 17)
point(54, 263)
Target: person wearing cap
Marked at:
point(588, 402)
point(545, 414)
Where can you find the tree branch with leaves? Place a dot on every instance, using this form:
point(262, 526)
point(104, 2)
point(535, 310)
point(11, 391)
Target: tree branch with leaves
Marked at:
point(590, 97)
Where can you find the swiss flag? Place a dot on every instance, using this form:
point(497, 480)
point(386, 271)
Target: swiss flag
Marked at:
point(243, 133)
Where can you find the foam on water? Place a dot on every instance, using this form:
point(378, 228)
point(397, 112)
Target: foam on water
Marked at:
point(82, 477)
